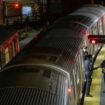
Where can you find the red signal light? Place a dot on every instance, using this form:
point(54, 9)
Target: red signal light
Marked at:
point(93, 41)
point(96, 39)
point(16, 5)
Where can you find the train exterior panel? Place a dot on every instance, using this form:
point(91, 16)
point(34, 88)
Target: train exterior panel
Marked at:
point(51, 71)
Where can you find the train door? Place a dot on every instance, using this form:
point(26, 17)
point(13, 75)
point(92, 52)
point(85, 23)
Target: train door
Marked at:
point(73, 88)
point(81, 67)
point(77, 79)
point(71, 91)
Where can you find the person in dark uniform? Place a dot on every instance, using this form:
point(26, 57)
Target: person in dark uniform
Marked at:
point(88, 73)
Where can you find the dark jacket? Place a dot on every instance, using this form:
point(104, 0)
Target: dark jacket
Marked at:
point(85, 53)
point(88, 63)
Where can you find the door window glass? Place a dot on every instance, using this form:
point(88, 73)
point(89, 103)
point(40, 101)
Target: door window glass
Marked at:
point(100, 30)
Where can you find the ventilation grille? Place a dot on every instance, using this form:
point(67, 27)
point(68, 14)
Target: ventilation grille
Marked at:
point(35, 96)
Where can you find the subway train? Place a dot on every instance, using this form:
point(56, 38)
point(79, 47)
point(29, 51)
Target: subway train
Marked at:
point(50, 70)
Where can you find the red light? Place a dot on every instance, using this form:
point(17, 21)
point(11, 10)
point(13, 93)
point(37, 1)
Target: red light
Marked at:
point(96, 39)
point(16, 5)
point(93, 41)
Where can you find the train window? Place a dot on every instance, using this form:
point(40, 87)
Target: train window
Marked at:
point(104, 24)
point(78, 78)
point(94, 29)
point(100, 28)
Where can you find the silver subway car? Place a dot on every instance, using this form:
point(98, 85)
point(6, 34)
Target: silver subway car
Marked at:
point(50, 70)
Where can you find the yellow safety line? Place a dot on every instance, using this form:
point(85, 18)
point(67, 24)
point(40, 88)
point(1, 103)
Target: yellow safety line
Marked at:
point(96, 82)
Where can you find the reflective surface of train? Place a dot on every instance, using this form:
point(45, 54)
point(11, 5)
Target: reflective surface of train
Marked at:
point(50, 70)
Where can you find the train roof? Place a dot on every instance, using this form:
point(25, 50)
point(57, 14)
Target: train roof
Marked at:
point(59, 45)
point(65, 39)
point(6, 34)
point(88, 14)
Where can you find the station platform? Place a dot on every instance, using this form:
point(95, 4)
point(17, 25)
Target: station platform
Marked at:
point(98, 85)
point(25, 38)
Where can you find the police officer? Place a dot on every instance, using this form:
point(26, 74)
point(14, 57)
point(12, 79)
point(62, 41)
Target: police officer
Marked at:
point(88, 73)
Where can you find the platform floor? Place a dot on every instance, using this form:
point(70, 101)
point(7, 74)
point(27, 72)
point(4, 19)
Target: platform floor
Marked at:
point(98, 85)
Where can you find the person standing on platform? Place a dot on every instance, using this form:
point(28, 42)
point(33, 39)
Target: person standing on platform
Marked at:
point(88, 73)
